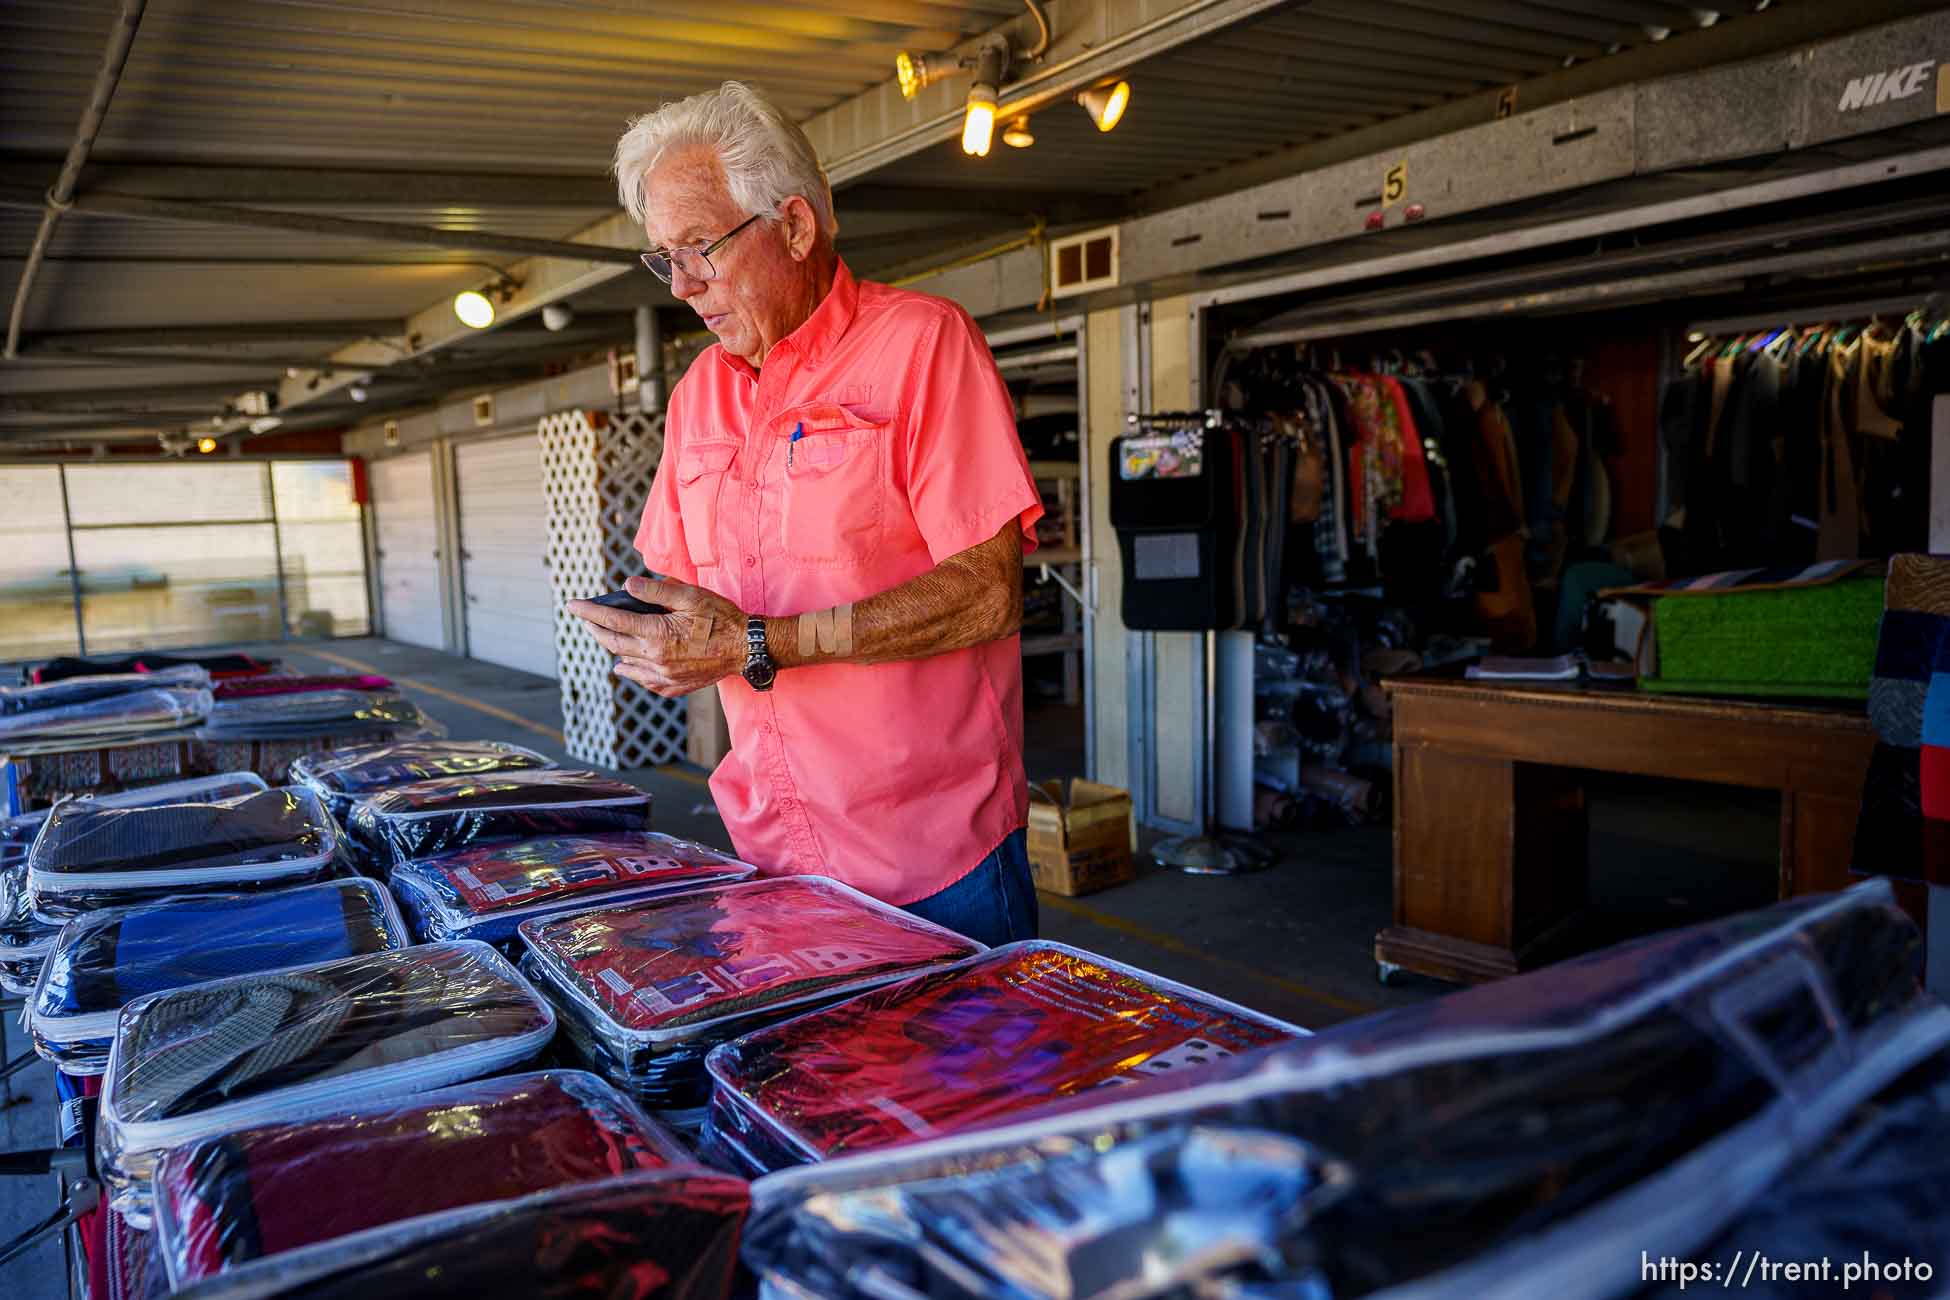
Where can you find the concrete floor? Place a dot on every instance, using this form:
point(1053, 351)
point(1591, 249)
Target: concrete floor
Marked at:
point(1293, 941)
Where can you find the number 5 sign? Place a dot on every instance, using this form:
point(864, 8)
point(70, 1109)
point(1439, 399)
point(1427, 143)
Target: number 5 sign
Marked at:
point(1394, 186)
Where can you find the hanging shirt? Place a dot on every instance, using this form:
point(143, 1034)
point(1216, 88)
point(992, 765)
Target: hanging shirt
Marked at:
point(877, 441)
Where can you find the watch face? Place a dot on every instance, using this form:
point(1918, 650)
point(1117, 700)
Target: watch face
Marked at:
point(760, 675)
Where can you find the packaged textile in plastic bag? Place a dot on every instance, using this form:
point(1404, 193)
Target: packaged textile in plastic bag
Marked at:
point(1153, 1215)
point(1874, 1195)
point(647, 989)
point(1028, 1024)
point(309, 1040)
point(311, 713)
point(135, 1264)
point(448, 813)
point(663, 1234)
point(225, 1201)
point(25, 940)
point(17, 833)
point(104, 960)
point(486, 891)
point(342, 776)
point(1530, 1137)
point(89, 856)
point(18, 700)
point(117, 717)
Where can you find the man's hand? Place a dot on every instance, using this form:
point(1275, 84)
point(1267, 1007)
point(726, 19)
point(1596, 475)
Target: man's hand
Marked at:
point(701, 640)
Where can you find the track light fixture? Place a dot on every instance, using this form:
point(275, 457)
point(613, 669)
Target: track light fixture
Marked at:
point(1017, 135)
point(1106, 103)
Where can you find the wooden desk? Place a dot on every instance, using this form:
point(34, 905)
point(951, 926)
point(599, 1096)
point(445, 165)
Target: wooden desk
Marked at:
point(1491, 836)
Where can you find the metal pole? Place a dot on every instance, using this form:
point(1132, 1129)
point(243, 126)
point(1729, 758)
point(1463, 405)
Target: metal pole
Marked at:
point(60, 198)
point(74, 566)
point(277, 551)
point(649, 360)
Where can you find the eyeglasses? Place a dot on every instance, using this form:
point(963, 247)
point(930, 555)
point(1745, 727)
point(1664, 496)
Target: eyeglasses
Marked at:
point(694, 261)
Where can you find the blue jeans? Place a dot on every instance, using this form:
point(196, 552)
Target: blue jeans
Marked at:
point(993, 904)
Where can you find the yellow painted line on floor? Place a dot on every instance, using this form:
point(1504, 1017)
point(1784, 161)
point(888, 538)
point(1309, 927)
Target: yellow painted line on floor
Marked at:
point(677, 773)
point(440, 693)
point(1157, 940)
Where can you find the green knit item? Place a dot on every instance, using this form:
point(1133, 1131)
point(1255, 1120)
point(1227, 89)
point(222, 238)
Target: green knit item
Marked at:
point(1806, 642)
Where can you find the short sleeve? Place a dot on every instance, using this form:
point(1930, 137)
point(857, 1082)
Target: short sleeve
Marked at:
point(660, 537)
point(966, 471)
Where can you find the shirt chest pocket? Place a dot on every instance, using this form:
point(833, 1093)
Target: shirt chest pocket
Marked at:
point(700, 485)
point(835, 486)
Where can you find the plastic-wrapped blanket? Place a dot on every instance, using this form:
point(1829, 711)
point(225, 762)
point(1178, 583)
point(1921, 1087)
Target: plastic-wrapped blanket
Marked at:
point(225, 1201)
point(89, 856)
point(235, 1053)
point(295, 715)
point(665, 1234)
point(25, 940)
point(486, 891)
point(438, 816)
point(135, 1264)
point(130, 715)
point(105, 960)
point(1026, 1025)
point(18, 701)
point(646, 989)
point(342, 776)
point(1530, 1137)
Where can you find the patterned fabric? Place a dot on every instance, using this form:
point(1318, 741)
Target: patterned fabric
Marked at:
point(1904, 826)
point(1790, 575)
point(1024, 1026)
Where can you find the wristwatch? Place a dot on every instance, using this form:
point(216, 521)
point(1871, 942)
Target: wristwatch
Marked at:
point(760, 670)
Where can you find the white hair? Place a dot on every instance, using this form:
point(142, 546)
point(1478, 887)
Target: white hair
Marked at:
point(766, 157)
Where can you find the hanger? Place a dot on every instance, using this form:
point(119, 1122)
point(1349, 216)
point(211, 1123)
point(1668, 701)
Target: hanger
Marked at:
point(1694, 357)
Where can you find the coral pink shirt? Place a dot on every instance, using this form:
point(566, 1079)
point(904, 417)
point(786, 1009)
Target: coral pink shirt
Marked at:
point(896, 778)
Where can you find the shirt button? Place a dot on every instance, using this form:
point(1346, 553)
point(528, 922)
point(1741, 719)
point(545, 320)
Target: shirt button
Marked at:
point(750, 560)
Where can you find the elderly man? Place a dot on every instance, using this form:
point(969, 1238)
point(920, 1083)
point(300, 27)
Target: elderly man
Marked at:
point(841, 513)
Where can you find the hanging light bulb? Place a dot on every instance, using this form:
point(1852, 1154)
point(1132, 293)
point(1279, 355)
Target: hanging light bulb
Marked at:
point(978, 125)
point(1106, 104)
point(474, 309)
point(1017, 135)
point(206, 445)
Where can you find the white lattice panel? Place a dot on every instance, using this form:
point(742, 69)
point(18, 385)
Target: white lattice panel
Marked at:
point(596, 472)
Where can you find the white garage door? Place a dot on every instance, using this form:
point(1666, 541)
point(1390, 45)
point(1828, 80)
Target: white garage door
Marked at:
point(409, 549)
point(504, 554)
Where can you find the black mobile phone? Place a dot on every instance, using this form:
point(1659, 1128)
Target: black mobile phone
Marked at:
point(629, 604)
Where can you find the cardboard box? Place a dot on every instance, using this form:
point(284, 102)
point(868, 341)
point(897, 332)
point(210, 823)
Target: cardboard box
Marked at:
point(1083, 843)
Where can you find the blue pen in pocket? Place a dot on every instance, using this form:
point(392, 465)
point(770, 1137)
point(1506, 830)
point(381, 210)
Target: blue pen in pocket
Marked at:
point(798, 432)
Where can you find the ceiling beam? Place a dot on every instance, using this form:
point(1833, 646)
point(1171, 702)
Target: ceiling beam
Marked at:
point(197, 335)
point(341, 186)
point(1056, 208)
point(387, 232)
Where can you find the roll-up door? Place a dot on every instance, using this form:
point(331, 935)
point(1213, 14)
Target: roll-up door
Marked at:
point(409, 549)
point(504, 554)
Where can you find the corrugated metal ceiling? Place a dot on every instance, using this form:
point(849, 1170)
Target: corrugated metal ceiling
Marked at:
point(1301, 74)
point(540, 89)
point(543, 85)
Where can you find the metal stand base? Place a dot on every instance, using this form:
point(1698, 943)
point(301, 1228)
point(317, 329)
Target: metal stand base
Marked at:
point(1212, 855)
